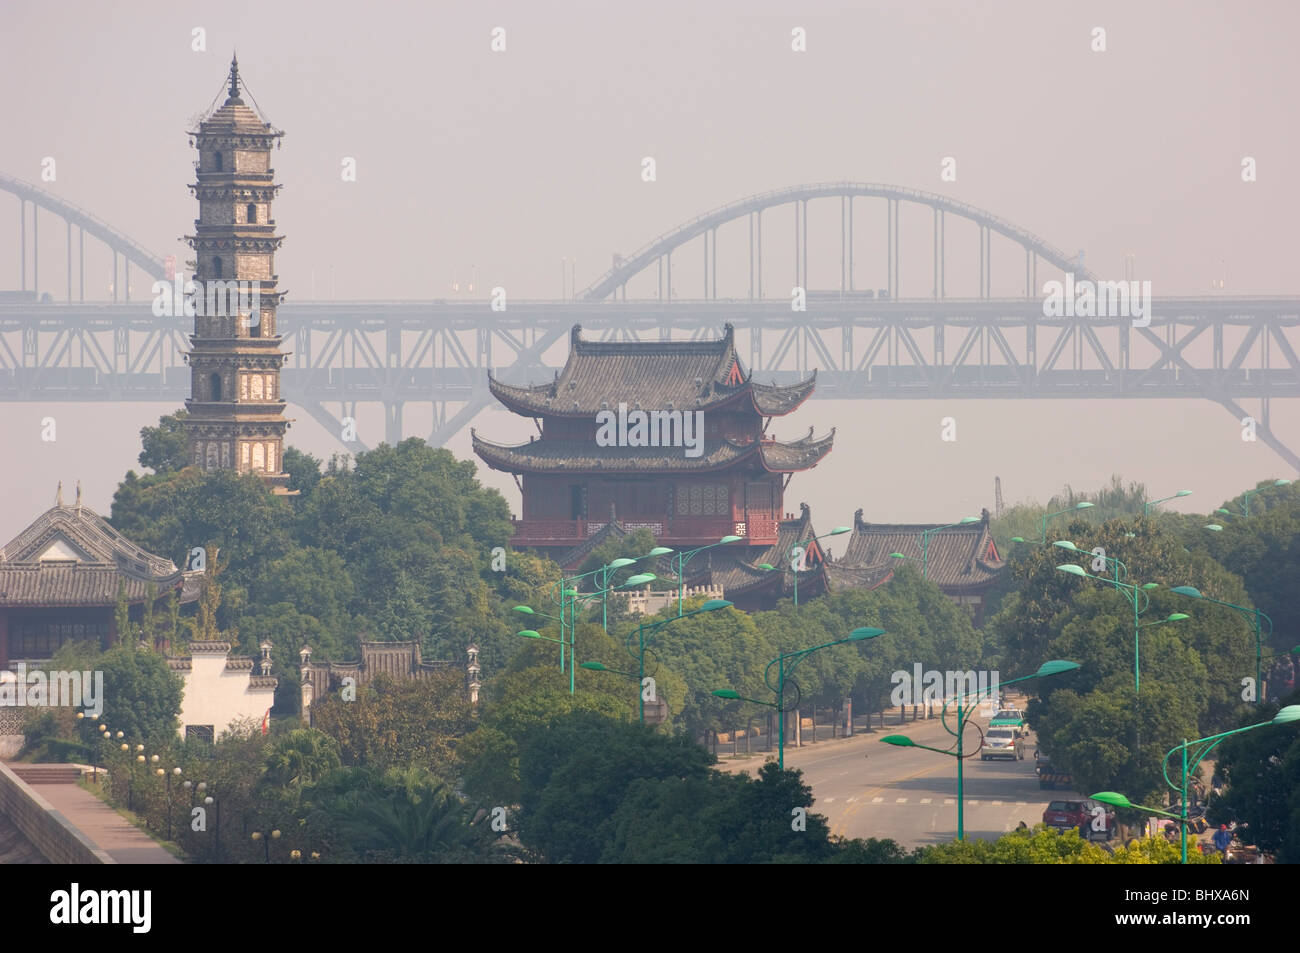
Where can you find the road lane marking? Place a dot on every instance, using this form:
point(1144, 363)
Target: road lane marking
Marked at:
point(877, 800)
point(841, 826)
point(901, 800)
point(973, 803)
point(949, 800)
point(926, 800)
point(997, 803)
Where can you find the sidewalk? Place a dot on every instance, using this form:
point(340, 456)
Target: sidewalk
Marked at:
point(103, 825)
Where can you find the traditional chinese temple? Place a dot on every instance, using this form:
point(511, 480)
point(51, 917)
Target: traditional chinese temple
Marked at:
point(61, 577)
point(575, 480)
point(962, 560)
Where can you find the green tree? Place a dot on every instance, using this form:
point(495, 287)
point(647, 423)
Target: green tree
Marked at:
point(301, 757)
point(142, 695)
point(398, 724)
point(303, 469)
point(164, 447)
point(576, 772)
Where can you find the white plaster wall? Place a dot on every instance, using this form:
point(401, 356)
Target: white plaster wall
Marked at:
point(214, 696)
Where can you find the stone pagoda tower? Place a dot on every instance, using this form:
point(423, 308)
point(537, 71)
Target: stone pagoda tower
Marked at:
point(236, 415)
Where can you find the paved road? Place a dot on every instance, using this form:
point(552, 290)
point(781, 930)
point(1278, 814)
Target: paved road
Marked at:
point(869, 789)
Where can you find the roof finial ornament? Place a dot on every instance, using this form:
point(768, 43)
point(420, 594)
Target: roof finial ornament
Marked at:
point(78, 496)
point(58, 496)
point(234, 99)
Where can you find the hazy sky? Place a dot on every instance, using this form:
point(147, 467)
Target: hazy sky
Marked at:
point(505, 163)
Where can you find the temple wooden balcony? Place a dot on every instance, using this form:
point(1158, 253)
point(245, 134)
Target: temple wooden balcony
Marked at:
point(679, 533)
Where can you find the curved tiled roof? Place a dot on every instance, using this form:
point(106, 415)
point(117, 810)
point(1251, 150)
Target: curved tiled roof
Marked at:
point(658, 375)
point(579, 456)
point(84, 562)
point(958, 558)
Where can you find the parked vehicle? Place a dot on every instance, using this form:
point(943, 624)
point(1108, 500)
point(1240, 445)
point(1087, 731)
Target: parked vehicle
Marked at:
point(1049, 778)
point(1081, 814)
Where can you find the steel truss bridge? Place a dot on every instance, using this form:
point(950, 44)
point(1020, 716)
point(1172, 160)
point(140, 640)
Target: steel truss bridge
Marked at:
point(1238, 351)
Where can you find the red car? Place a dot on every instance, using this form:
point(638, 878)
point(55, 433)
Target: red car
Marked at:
point(1064, 815)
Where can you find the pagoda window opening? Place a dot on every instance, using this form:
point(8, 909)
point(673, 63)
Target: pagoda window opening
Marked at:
point(216, 267)
point(220, 166)
point(251, 214)
point(215, 386)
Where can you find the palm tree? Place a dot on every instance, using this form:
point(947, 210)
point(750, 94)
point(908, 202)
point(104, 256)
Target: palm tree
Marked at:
point(301, 757)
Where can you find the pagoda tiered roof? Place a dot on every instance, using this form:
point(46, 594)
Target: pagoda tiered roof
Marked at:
point(650, 375)
point(583, 456)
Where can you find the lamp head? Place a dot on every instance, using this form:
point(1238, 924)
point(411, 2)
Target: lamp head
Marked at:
point(901, 741)
point(1083, 506)
point(1183, 493)
point(766, 567)
point(660, 551)
point(1215, 528)
point(728, 693)
point(857, 635)
point(620, 563)
point(1072, 569)
point(1066, 544)
point(1177, 617)
point(640, 579)
point(1113, 799)
point(526, 610)
point(1188, 591)
point(714, 604)
point(1056, 667)
point(593, 666)
point(731, 539)
point(1287, 715)
point(530, 634)
point(840, 529)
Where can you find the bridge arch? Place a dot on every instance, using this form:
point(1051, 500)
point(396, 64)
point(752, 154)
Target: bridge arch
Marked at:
point(130, 250)
point(647, 255)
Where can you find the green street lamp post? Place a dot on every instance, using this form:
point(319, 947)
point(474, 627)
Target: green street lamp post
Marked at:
point(683, 558)
point(642, 630)
point(1199, 749)
point(1077, 506)
point(963, 712)
point(1245, 497)
point(1137, 595)
point(786, 665)
point(1116, 566)
point(1257, 620)
point(925, 543)
point(1146, 507)
point(790, 554)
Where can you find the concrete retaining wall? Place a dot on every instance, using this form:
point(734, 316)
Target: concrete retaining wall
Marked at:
point(48, 830)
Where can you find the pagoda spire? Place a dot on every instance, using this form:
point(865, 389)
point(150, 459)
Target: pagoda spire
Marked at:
point(234, 82)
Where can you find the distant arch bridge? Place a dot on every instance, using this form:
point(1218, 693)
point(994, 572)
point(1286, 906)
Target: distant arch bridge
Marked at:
point(388, 354)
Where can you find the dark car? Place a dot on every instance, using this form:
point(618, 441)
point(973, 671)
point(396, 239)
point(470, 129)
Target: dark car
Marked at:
point(1050, 778)
point(1093, 819)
